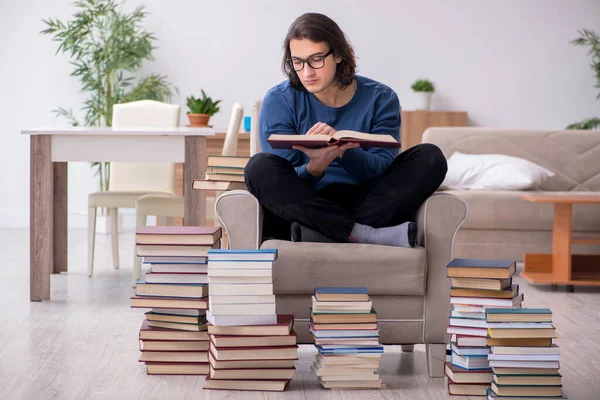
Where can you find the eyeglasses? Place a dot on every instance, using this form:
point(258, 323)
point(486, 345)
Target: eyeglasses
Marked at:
point(315, 62)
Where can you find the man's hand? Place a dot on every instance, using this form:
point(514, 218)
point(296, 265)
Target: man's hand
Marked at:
point(321, 158)
point(321, 128)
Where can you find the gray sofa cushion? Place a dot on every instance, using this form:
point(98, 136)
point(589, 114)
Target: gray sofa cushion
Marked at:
point(383, 270)
point(506, 210)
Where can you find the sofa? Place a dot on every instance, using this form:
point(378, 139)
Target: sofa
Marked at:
point(408, 286)
point(499, 223)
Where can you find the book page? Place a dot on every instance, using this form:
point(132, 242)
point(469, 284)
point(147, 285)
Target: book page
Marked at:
point(293, 138)
point(345, 134)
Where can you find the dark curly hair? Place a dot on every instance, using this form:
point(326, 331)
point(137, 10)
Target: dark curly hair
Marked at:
point(320, 28)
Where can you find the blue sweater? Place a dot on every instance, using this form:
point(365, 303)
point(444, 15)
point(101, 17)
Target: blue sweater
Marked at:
point(374, 109)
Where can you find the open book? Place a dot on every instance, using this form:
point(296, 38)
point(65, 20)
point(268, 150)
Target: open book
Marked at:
point(315, 141)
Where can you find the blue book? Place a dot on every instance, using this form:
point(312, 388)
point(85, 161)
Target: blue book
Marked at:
point(341, 294)
point(512, 315)
point(351, 350)
point(491, 395)
point(474, 268)
point(242, 255)
point(518, 311)
point(470, 362)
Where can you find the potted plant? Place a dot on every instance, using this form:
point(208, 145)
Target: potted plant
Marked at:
point(107, 46)
point(592, 40)
point(423, 89)
point(201, 109)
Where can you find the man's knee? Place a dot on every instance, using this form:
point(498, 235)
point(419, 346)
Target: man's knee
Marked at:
point(435, 158)
point(260, 165)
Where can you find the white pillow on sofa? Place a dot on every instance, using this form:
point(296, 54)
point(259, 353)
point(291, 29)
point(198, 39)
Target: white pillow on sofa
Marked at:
point(493, 172)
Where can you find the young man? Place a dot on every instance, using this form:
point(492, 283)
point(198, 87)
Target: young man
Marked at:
point(340, 193)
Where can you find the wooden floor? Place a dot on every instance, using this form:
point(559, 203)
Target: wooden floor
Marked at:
point(83, 344)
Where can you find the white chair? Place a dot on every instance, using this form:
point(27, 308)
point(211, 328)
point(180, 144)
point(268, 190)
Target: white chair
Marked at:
point(172, 206)
point(129, 181)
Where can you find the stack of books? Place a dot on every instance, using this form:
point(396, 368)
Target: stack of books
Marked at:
point(223, 173)
point(173, 337)
point(251, 347)
point(344, 327)
point(524, 360)
point(476, 286)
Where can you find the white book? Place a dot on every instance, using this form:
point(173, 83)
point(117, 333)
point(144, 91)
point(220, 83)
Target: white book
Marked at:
point(174, 260)
point(240, 289)
point(242, 309)
point(524, 357)
point(470, 362)
point(471, 315)
point(240, 264)
point(343, 333)
point(239, 272)
point(239, 320)
point(486, 301)
point(239, 279)
point(524, 364)
point(259, 299)
point(152, 277)
point(460, 330)
point(180, 268)
point(471, 341)
point(554, 349)
point(473, 323)
point(471, 309)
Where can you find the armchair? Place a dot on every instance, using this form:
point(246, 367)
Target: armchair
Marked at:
point(408, 286)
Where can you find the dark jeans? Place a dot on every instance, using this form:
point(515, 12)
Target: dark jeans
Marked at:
point(386, 200)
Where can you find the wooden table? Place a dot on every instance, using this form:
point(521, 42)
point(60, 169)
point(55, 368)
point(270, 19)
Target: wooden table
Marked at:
point(52, 149)
point(562, 267)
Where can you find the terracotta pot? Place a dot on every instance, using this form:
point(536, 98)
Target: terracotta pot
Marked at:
point(198, 119)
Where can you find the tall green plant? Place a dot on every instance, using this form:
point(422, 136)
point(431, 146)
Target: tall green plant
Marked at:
point(106, 46)
point(591, 39)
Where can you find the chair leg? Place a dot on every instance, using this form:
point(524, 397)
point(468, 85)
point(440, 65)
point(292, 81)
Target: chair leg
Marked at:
point(114, 235)
point(436, 357)
point(91, 238)
point(140, 221)
point(408, 348)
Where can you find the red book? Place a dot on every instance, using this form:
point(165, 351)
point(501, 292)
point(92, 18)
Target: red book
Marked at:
point(467, 389)
point(284, 326)
point(241, 384)
point(459, 375)
point(182, 235)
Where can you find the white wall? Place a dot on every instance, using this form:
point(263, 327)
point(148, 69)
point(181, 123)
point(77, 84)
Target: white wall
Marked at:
point(508, 63)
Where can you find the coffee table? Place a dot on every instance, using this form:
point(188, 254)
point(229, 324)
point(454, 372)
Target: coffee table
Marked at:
point(562, 267)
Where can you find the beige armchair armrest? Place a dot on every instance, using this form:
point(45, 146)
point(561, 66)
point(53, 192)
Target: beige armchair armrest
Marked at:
point(241, 217)
point(438, 219)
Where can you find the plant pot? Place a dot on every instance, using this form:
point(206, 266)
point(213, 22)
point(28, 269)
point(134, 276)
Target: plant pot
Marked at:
point(423, 100)
point(198, 120)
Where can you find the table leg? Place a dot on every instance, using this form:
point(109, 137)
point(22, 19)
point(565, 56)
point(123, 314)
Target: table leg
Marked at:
point(561, 241)
point(194, 167)
point(60, 217)
point(41, 217)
